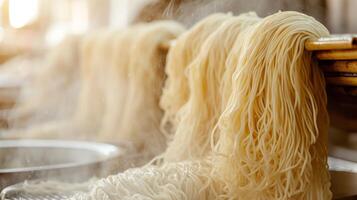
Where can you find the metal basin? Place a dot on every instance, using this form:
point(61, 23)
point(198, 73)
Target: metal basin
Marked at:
point(343, 178)
point(64, 160)
point(344, 185)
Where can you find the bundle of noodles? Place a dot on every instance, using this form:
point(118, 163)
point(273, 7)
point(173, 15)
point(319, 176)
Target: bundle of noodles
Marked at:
point(174, 181)
point(205, 72)
point(140, 116)
point(122, 75)
point(270, 139)
point(97, 60)
point(92, 57)
point(117, 79)
point(131, 85)
point(273, 131)
point(203, 107)
point(181, 54)
point(56, 76)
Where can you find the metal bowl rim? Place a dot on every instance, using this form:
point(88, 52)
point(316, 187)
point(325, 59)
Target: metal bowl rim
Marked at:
point(107, 151)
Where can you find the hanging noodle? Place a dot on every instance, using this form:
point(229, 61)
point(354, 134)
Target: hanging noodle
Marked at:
point(117, 79)
point(141, 116)
point(181, 54)
point(200, 113)
point(273, 129)
point(122, 75)
point(265, 115)
point(57, 72)
point(97, 59)
point(85, 120)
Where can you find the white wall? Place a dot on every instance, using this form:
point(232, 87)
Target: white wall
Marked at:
point(123, 11)
point(342, 16)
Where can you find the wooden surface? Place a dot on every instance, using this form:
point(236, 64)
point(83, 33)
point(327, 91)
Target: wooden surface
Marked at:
point(342, 81)
point(350, 54)
point(334, 42)
point(339, 66)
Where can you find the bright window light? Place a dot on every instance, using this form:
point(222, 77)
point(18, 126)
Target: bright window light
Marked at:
point(80, 17)
point(22, 12)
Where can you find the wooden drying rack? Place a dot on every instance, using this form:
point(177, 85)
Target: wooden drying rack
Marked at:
point(337, 57)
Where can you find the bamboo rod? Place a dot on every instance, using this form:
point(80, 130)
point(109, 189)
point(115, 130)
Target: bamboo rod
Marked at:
point(336, 51)
point(343, 81)
point(339, 66)
point(337, 55)
point(330, 43)
point(334, 42)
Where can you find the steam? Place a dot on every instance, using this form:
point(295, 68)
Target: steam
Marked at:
point(189, 12)
point(50, 88)
point(53, 81)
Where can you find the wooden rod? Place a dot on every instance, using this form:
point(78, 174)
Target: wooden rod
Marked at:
point(333, 42)
point(337, 55)
point(339, 66)
point(343, 81)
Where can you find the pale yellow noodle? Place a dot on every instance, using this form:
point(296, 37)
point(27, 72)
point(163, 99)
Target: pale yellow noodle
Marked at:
point(181, 54)
point(141, 115)
point(272, 140)
point(245, 100)
point(203, 107)
point(117, 81)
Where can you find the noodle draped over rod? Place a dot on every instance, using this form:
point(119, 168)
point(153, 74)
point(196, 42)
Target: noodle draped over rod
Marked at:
point(181, 54)
point(273, 131)
point(122, 73)
point(248, 108)
point(200, 113)
point(141, 116)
